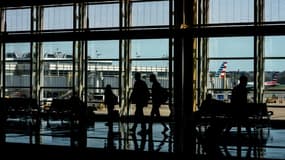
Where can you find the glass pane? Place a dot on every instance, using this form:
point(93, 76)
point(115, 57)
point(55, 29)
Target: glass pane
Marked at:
point(274, 46)
point(103, 15)
point(156, 66)
point(17, 72)
point(224, 74)
point(101, 73)
point(150, 13)
point(58, 50)
point(231, 11)
point(58, 17)
point(57, 74)
point(276, 65)
point(274, 74)
point(150, 48)
point(18, 20)
point(16, 51)
point(161, 70)
point(274, 10)
point(103, 49)
point(231, 47)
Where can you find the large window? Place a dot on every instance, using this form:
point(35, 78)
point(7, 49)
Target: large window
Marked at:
point(56, 70)
point(274, 73)
point(17, 70)
point(229, 58)
point(151, 56)
point(102, 69)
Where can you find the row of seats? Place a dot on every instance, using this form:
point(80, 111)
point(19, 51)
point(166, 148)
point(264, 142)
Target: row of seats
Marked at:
point(27, 109)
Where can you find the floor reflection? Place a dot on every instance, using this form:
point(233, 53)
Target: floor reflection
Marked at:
point(265, 143)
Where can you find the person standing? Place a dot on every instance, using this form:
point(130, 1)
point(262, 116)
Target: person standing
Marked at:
point(139, 97)
point(156, 91)
point(240, 101)
point(110, 101)
point(239, 92)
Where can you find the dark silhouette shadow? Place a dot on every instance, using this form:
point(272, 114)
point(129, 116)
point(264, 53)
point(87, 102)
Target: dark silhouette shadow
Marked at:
point(110, 101)
point(140, 97)
point(139, 144)
point(209, 129)
point(217, 119)
point(239, 102)
point(78, 120)
point(157, 100)
point(110, 138)
point(151, 142)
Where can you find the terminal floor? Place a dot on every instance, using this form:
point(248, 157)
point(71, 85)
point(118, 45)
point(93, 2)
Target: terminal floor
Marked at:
point(98, 137)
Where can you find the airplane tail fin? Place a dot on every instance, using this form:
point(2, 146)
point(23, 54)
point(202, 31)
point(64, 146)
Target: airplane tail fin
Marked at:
point(275, 76)
point(273, 81)
point(221, 73)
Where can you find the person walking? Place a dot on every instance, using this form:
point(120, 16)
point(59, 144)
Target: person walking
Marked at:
point(139, 97)
point(156, 91)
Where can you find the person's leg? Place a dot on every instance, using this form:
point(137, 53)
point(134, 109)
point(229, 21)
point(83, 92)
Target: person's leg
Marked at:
point(157, 113)
point(151, 120)
point(110, 112)
point(136, 119)
point(141, 118)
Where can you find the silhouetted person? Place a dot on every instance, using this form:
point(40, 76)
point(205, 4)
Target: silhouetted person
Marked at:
point(140, 97)
point(239, 101)
point(239, 92)
point(156, 91)
point(110, 101)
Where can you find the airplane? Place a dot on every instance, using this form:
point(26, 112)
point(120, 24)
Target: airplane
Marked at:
point(272, 83)
point(221, 73)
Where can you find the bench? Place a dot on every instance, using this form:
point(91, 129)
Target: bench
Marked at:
point(67, 109)
point(251, 114)
point(20, 107)
point(59, 109)
point(20, 114)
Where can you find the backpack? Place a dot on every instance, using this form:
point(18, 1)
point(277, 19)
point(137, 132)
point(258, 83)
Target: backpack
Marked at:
point(164, 95)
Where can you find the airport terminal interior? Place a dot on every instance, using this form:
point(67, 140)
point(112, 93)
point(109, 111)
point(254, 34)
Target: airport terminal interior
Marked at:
point(57, 58)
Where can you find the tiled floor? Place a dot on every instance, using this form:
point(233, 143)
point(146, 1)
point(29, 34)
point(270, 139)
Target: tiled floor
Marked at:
point(101, 136)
